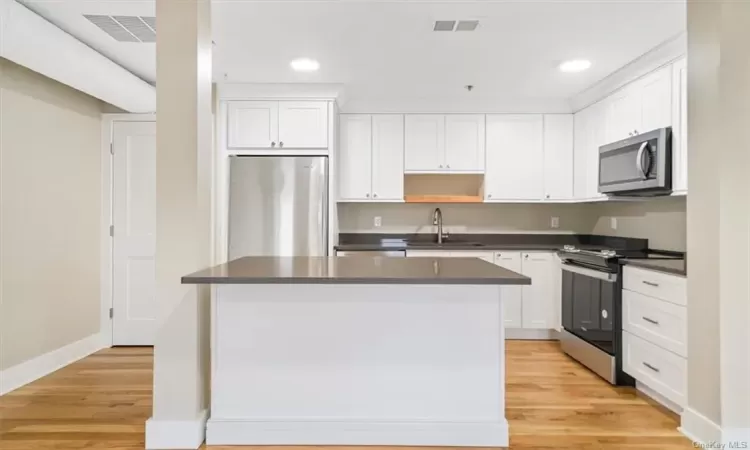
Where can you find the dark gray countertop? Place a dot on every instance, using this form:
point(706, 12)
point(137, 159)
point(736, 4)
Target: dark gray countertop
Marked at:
point(671, 266)
point(356, 270)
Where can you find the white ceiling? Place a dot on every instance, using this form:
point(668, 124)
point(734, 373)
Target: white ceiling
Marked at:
point(387, 49)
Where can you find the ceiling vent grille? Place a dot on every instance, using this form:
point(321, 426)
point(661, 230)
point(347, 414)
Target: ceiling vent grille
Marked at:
point(126, 28)
point(444, 25)
point(455, 25)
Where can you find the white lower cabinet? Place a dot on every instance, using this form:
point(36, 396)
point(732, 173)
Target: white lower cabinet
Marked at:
point(654, 341)
point(512, 296)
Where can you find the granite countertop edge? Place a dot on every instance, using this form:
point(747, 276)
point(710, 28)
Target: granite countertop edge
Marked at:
point(401, 248)
point(500, 281)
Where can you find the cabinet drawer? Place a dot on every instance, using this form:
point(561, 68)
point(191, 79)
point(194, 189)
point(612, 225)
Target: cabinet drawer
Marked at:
point(655, 284)
point(659, 322)
point(659, 369)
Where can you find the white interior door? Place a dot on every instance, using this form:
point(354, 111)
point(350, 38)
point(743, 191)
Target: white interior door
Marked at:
point(134, 211)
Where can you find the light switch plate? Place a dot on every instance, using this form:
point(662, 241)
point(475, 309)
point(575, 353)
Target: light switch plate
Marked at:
point(377, 222)
point(555, 222)
point(613, 223)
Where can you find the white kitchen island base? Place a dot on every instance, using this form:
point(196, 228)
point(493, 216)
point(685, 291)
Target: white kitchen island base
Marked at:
point(357, 364)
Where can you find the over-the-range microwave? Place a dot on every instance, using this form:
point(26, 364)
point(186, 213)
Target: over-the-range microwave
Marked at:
point(640, 165)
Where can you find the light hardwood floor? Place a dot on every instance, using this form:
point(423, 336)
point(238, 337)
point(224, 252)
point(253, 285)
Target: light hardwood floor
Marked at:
point(102, 401)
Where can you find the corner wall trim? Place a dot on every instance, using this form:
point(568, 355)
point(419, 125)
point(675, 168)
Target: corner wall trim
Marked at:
point(699, 428)
point(36, 368)
point(176, 434)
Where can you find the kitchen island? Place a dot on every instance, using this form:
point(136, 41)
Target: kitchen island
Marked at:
point(357, 351)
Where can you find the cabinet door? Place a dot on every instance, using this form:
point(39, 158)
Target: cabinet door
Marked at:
point(487, 256)
point(303, 124)
point(252, 124)
point(427, 254)
point(511, 296)
point(355, 157)
point(655, 91)
point(388, 157)
point(424, 143)
point(558, 156)
point(538, 299)
point(596, 137)
point(515, 157)
point(581, 160)
point(679, 127)
point(623, 116)
point(464, 142)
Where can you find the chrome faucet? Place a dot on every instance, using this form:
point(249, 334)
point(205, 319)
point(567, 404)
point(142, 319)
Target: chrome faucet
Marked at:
point(437, 219)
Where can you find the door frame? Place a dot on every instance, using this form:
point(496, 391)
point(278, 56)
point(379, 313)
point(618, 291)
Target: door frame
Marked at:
point(107, 206)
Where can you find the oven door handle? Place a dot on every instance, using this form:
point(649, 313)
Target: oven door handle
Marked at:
point(604, 276)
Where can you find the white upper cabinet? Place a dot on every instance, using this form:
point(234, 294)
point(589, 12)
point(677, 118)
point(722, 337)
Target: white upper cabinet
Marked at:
point(589, 136)
point(355, 157)
point(679, 127)
point(371, 160)
point(641, 106)
point(515, 157)
point(464, 142)
point(623, 114)
point(558, 156)
point(425, 143)
point(303, 124)
point(388, 157)
point(274, 125)
point(252, 124)
point(656, 100)
point(539, 303)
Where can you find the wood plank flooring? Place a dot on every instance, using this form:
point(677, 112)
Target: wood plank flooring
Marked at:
point(102, 402)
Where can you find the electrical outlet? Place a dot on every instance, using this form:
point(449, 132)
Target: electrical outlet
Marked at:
point(555, 222)
point(613, 223)
point(377, 222)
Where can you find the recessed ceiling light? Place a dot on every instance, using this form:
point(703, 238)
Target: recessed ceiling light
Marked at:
point(575, 65)
point(305, 65)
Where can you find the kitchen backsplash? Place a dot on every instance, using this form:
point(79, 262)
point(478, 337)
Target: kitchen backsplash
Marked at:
point(660, 220)
point(464, 218)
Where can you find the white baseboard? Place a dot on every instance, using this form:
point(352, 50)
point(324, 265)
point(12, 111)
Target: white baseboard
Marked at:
point(34, 369)
point(286, 432)
point(176, 434)
point(530, 334)
point(699, 428)
point(657, 397)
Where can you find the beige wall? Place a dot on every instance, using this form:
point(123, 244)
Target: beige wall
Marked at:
point(480, 218)
point(50, 214)
point(660, 220)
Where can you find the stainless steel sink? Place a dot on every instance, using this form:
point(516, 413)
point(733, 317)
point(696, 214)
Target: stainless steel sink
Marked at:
point(445, 244)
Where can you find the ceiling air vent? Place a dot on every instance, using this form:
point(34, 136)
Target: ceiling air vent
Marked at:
point(467, 25)
point(444, 25)
point(126, 28)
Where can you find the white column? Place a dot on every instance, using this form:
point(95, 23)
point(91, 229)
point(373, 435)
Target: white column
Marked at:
point(719, 222)
point(183, 222)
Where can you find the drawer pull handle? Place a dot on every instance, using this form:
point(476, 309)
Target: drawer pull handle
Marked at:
point(651, 283)
point(651, 367)
point(649, 320)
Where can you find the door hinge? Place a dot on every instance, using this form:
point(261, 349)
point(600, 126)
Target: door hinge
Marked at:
point(111, 312)
point(111, 230)
point(111, 148)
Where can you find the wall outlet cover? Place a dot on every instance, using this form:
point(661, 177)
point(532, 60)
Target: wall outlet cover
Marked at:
point(555, 222)
point(613, 223)
point(377, 222)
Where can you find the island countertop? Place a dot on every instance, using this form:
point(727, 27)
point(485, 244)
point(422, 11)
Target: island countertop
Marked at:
point(356, 270)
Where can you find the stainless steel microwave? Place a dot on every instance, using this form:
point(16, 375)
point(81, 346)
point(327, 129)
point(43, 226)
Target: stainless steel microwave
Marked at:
point(640, 165)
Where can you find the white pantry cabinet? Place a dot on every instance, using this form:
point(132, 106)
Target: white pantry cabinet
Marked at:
point(371, 160)
point(679, 127)
point(277, 124)
point(558, 156)
point(515, 157)
point(437, 143)
point(539, 301)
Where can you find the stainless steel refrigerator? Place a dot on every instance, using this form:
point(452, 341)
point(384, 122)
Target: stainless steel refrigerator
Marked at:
point(278, 206)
